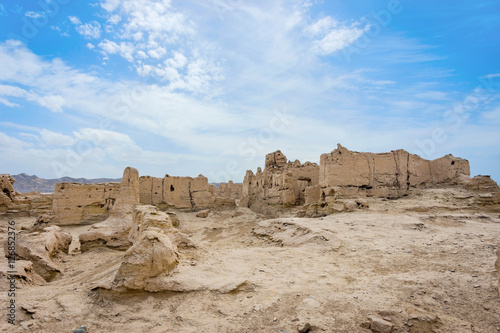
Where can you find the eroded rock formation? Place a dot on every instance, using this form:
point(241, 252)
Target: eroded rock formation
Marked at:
point(287, 233)
point(22, 204)
point(40, 248)
point(24, 273)
point(488, 192)
point(113, 232)
point(7, 192)
point(154, 251)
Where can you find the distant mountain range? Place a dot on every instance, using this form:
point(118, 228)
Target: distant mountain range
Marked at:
point(27, 183)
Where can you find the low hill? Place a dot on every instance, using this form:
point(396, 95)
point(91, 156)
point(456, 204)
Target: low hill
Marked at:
point(27, 183)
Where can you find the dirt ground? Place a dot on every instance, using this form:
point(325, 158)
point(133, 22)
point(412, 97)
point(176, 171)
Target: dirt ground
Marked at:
point(424, 263)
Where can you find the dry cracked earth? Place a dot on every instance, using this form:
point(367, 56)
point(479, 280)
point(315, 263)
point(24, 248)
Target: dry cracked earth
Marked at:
point(423, 263)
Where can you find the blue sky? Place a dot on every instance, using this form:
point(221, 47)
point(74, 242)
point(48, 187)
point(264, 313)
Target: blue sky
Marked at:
point(211, 86)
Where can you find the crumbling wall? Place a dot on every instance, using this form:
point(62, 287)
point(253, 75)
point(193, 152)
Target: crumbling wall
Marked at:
point(281, 184)
point(202, 194)
point(176, 192)
point(151, 190)
point(33, 203)
point(128, 193)
point(229, 190)
point(344, 175)
point(349, 174)
point(75, 203)
point(184, 192)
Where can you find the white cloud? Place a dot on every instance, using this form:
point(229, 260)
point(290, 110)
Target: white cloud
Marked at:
point(90, 46)
point(19, 127)
point(121, 147)
point(396, 48)
point(157, 53)
point(141, 55)
point(114, 19)
point(77, 155)
point(52, 102)
point(322, 26)
point(10, 142)
point(125, 49)
point(336, 39)
point(58, 29)
point(109, 47)
point(155, 19)
point(167, 73)
point(8, 103)
point(53, 161)
point(144, 70)
point(75, 20)
point(56, 139)
point(150, 35)
point(12, 91)
point(146, 26)
point(109, 28)
point(492, 116)
point(103, 138)
point(156, 109)
point(110, 5)
point(433, 95)
point(34, 15)
point(178, 61)
point(178, 118)
point(89, 30)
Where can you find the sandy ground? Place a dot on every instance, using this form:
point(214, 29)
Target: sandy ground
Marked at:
point(424, 263)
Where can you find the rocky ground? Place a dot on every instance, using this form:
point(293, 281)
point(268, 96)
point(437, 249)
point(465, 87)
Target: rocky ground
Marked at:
point(423, 263)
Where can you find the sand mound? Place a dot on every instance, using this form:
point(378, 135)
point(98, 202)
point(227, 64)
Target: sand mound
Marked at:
point(286, 232)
